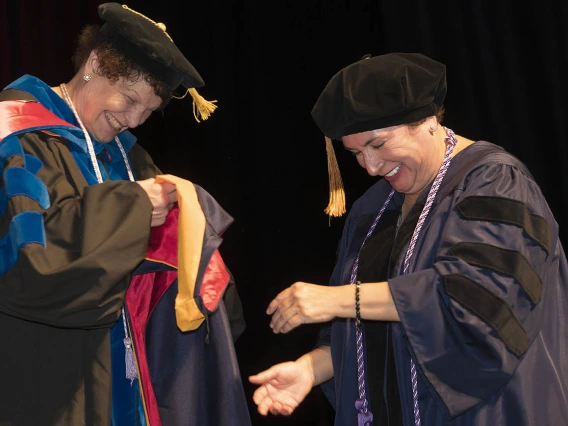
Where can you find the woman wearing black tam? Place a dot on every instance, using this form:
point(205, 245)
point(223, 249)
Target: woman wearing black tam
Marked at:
point(449, 299)
point(103, 314)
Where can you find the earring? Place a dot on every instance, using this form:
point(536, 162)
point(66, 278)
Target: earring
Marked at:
point(432, 127)
point(87, 76)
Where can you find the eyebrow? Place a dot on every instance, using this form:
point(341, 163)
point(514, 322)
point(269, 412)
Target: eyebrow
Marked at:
point(126, 90)
point(138, 97)
point(367, 143)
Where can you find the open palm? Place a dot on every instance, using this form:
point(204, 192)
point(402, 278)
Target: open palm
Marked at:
point(282, 388)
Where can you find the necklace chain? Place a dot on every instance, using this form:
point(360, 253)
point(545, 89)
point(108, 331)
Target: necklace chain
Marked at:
point(90, 147)
point(129, 360)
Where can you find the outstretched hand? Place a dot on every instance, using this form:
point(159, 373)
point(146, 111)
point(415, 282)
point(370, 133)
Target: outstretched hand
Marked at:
point(303, 303)
point(282, 387)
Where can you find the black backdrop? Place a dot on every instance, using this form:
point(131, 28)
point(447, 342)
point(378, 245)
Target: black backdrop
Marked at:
point(261, 155)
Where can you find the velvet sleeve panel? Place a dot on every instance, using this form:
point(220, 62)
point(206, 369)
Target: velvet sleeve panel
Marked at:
point(464, 307)
point(94, 237)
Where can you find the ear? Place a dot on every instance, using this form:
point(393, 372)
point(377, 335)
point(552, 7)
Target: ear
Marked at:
point(432, 123)
point(92, 64)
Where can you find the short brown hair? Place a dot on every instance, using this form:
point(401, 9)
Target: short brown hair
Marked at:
point(113, 63)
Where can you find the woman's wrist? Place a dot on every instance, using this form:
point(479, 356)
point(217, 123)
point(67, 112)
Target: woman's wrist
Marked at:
point(346, 301)
point(307, 362)
point(317, 364)
point(374, 302)
point(358, 302)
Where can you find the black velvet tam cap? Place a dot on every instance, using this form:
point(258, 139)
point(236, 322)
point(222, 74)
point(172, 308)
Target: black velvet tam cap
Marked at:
point(379, 92)
point(148, 44)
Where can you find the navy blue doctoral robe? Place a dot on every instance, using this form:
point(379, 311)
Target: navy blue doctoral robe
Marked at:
point(484, 307)
point(188, 377)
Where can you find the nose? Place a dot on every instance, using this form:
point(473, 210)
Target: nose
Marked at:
point(372, 164)
point(131, 120)
point(135, 117)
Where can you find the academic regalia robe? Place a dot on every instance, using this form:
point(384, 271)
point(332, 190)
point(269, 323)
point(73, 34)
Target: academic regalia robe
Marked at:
point(484, 307)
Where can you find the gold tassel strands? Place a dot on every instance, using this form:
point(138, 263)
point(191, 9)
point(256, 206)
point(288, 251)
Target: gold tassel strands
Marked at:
point(336, 206)
point(202, 108)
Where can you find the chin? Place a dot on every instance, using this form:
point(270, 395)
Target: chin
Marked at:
point(401, 188)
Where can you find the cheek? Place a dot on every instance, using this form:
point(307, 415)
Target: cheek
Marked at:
point(411, 164)
point(96, 109)
point(90, 115)
point(114, 103)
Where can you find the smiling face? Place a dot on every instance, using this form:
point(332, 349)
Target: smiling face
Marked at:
point(106, 108)
point(407, 157)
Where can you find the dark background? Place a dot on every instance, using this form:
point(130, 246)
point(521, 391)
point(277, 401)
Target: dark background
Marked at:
point(260, 154)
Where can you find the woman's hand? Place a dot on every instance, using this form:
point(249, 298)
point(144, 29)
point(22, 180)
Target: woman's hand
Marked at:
point(282, 387)
point(304, 303)
point(162, 195)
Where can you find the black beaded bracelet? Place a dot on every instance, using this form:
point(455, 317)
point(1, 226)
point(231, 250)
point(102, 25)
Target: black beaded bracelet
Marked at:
point(357, 306)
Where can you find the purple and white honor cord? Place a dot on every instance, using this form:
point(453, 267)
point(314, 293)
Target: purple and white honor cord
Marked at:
point(365, 417)
point(450, 142)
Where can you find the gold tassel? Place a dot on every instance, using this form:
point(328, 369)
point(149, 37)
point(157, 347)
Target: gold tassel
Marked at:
point(201, 108)
point(336, 206)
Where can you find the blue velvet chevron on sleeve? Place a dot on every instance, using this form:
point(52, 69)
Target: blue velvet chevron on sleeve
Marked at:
point(25, 227)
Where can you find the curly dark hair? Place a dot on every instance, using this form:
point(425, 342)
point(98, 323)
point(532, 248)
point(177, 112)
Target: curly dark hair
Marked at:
point(112, 63)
